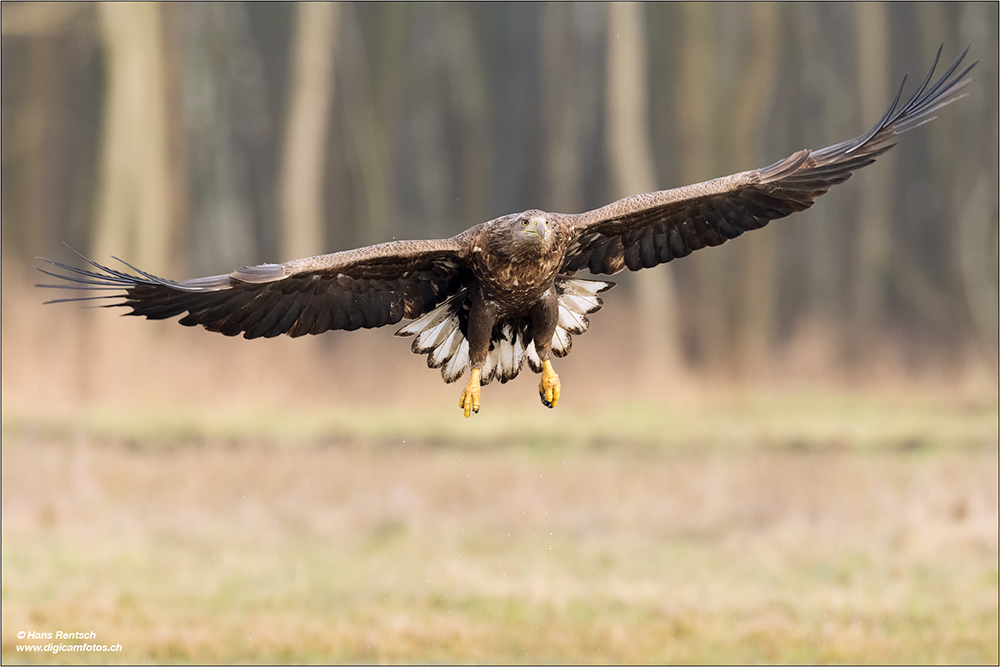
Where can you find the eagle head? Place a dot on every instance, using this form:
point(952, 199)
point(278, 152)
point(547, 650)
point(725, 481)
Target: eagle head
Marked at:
point(520, 237)
point(531, 228)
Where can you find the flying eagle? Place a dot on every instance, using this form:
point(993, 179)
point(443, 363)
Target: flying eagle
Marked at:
point(505, 292)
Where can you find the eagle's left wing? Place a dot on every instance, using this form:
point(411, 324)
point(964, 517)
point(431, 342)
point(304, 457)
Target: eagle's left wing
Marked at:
point(367, 287)
point(649, 229)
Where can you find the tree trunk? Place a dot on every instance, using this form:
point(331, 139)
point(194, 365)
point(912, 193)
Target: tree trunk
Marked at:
point(632, 169)
point(976, 207)
point(133, 218)
point(134, 211)
point(307, 126)
point(872, 24)
point(469, 85)
point(374, 195)
point(696, 154)
point(757, 292)
point(561, 113)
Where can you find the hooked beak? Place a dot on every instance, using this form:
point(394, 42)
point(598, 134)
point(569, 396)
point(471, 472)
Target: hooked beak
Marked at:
point(536, 227)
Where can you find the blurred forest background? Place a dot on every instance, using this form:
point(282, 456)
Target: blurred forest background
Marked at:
point(190, 139)
point(783, 449)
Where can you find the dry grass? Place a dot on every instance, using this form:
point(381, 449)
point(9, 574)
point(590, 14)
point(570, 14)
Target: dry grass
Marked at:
point(327, 548)
point(200, 499)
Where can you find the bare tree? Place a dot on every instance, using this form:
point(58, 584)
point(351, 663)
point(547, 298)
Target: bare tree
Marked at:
point(629, 151)
point(757, 291)
point(306, 128)
point(369, 162)
point(977, 212)
point(696, 153)
point(561, 113)
point(869, 278)
point(468, 96)
point(134, 210)
point(133, 217)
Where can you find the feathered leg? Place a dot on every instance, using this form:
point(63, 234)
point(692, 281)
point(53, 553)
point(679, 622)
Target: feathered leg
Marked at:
point(482, 318)
point(544, 317)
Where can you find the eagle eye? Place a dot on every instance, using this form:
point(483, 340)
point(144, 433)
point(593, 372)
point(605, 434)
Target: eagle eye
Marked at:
point(524, 222)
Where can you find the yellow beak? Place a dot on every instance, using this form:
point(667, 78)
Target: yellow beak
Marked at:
point(537, 228)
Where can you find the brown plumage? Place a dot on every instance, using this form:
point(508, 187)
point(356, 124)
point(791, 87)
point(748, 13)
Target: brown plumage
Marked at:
point(503, 292)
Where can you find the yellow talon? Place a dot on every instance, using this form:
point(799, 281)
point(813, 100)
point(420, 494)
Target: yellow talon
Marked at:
point(549, 387)
point(470, 395)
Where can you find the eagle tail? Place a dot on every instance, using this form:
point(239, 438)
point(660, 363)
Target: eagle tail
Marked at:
point(440, 334)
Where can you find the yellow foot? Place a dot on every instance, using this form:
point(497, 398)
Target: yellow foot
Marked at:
point(470, 395)
point(549, 387)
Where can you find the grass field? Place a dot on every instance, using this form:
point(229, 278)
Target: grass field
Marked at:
point(795, 529)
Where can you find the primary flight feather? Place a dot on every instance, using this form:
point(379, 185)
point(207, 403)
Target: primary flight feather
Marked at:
point(504, 292)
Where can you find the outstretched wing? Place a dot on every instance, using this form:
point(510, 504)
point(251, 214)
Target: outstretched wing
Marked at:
point(648, 229)
point(368, 287)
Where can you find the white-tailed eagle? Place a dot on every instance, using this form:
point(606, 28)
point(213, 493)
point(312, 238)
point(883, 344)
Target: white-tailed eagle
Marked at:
point(505, 292)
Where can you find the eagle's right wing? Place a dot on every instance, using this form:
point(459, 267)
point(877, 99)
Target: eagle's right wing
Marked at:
point(367, 287)
point(649, 229)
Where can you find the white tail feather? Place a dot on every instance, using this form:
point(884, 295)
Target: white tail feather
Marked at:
point(580, 287)
point(573, 322)
point(511, 354)
point(531, 355)
point(489, 367)
point(561, 342)
point(440, 355)
point(580, 304)
point(426, 320)
point(455, 368)
point(433, 337)
point(439, 334)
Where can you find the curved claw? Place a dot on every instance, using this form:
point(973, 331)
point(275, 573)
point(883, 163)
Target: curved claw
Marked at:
point(470, 395)
point(550, 386)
